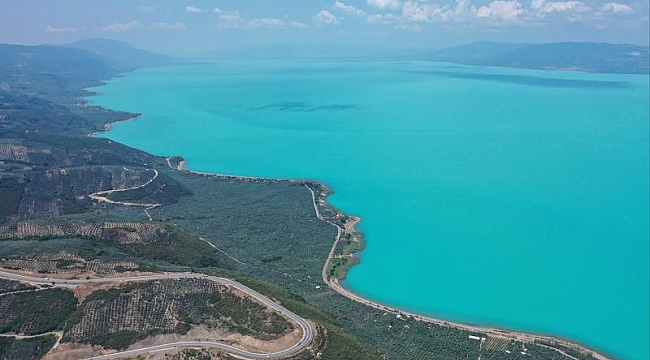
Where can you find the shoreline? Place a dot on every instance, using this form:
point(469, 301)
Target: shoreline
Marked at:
point(348, 228)
point(182, 166)
point(109, 126)
point(334, 284)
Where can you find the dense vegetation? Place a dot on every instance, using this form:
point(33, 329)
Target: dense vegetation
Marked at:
point(179, 248)
point(11, 190)
point(338, 267)
point(7, 286)
point(341, 345)
point(25, 349)
point(253, 221)
point(66, 246)
point(120, 316)
point(36, 312)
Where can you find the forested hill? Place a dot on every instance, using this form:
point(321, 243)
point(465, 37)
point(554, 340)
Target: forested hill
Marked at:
point(589, 57)
point(123, 54)
point(42, 87)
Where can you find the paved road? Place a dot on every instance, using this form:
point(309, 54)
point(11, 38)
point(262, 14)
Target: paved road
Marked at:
point(304, 342)
point(102, 196)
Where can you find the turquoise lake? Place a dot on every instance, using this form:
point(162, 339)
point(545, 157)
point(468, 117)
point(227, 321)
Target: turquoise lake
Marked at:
point(504, 197)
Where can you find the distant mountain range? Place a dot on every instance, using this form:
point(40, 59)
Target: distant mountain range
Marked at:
point(122, 54)
point(570, 56)
point(589, 57)
point(87, 57)
point(108, 56)
point(49, 58)
point(79, 64)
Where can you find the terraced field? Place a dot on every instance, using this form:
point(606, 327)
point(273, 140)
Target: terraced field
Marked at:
point(132, 312)
point(138, 243)
point(7, 286)
point(36, 312)
point(115, 313)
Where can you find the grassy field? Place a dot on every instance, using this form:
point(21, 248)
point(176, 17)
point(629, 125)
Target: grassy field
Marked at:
point(338, 267)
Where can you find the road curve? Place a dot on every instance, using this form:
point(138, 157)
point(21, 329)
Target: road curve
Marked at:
point(304, 342)
point(102, 196)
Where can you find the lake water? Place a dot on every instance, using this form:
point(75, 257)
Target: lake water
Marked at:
point(505, 197)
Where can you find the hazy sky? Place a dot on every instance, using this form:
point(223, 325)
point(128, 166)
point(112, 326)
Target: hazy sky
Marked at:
point(201, 27)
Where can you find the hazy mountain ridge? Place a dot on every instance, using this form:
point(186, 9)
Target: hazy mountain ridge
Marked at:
point(42, 69)
point(48, 58)
point(123, 54)
point(589, 57)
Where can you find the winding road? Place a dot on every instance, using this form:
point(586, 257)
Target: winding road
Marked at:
point(102, 196)
point(303, 343)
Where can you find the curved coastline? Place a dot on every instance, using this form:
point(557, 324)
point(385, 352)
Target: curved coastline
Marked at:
point(335, 285)
point(109, 126)
point(319, 202)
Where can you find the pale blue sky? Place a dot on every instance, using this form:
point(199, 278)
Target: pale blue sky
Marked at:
point(201, 27)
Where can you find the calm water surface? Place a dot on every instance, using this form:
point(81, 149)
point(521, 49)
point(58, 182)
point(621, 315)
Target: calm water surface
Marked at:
point(502, 197)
